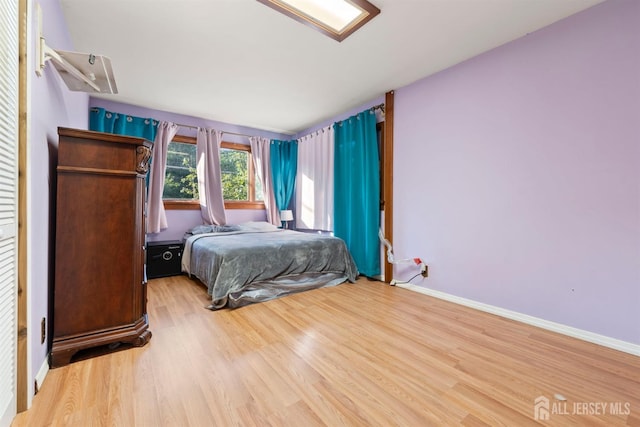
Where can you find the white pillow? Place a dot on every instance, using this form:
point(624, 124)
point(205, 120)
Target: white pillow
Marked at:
point(259, 226)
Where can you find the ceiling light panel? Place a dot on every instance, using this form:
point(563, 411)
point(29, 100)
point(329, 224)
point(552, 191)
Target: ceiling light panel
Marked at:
point(335, 18)
point(337, 14)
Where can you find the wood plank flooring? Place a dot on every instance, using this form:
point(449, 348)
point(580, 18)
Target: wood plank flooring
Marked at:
point(364, 354)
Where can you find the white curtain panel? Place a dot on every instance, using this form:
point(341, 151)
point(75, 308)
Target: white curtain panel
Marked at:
point(314, 181)
point(209, 176)
point(261, 154)
point(157, 219)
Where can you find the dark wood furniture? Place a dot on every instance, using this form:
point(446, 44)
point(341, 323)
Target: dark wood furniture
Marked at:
point(99, 293)
point(164, 258)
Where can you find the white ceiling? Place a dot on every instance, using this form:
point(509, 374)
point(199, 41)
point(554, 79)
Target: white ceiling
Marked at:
point(241, 62)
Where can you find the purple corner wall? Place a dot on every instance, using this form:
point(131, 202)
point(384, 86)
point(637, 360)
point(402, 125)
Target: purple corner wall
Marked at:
point(50, 104)
point(517, 174)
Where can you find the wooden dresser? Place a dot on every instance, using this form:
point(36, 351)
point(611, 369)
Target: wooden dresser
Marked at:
point(99, 293)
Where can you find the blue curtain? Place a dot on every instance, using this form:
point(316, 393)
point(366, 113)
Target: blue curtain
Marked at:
point(101, 120)
point(356, 209)
point(284, 165)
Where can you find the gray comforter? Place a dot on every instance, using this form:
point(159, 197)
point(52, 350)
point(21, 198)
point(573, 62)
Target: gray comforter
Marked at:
point(243, 267)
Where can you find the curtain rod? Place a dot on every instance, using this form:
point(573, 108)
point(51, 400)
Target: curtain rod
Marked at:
point(375, 107)
point(378, 107)
point(224, 131)
point(372, 109)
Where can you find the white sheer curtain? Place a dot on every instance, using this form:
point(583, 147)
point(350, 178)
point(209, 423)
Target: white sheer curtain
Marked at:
point(209, 176)
point(260, 152)
point(314, 181)
point(157, 219)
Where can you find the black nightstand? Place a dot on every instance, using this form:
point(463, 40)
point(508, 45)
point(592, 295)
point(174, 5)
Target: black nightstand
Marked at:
point(164, 258)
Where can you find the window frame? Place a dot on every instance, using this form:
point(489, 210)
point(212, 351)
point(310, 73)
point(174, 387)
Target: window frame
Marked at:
point(228, 204)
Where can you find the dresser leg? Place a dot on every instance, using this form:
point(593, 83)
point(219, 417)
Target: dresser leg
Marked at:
point(61, 358)
point(142, 339)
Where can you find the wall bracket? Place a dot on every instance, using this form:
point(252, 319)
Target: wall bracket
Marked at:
point(84, 72)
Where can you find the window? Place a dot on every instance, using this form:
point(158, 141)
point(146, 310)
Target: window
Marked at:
point(180, 179)
point(240, 187)
point(239, 181)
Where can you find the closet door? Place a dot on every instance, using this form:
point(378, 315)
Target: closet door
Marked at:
point(8, 208)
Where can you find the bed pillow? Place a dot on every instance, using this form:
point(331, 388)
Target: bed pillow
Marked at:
point(259, 226)
point(224, 228)
point(201, 229)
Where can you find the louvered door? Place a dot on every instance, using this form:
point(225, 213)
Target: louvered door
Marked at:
point(8, 207)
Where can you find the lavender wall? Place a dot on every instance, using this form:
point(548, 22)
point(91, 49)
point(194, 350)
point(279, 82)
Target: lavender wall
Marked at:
point(517, 174)
point(50, 104)
point(182, 220)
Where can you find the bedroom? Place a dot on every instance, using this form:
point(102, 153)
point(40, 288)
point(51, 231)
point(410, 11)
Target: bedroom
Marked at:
point(563, 248)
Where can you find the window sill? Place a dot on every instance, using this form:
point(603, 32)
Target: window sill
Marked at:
point(244, 205)
point(178, 205)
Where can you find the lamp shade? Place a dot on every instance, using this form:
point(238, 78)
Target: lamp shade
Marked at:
point(286, 215)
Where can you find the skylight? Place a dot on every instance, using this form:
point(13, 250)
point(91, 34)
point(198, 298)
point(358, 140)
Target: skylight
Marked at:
point(336, 18)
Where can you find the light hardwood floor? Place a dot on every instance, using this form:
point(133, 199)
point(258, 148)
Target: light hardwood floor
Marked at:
point(364, 354)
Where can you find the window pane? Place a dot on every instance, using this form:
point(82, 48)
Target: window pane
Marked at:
point(181, 181)
point(234, 165)
point(259, 192)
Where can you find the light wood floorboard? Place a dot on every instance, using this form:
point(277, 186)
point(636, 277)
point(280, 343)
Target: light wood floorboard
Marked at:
point(363, 354)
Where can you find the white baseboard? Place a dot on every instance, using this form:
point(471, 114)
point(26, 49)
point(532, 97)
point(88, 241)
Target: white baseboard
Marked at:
point(42, 373)
point(602, 340)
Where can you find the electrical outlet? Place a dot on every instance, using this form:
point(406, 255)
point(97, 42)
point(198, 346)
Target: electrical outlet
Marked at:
point(43, 330)
point(425, 270)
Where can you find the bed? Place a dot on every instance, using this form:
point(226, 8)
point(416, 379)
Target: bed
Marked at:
point(256, 261)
